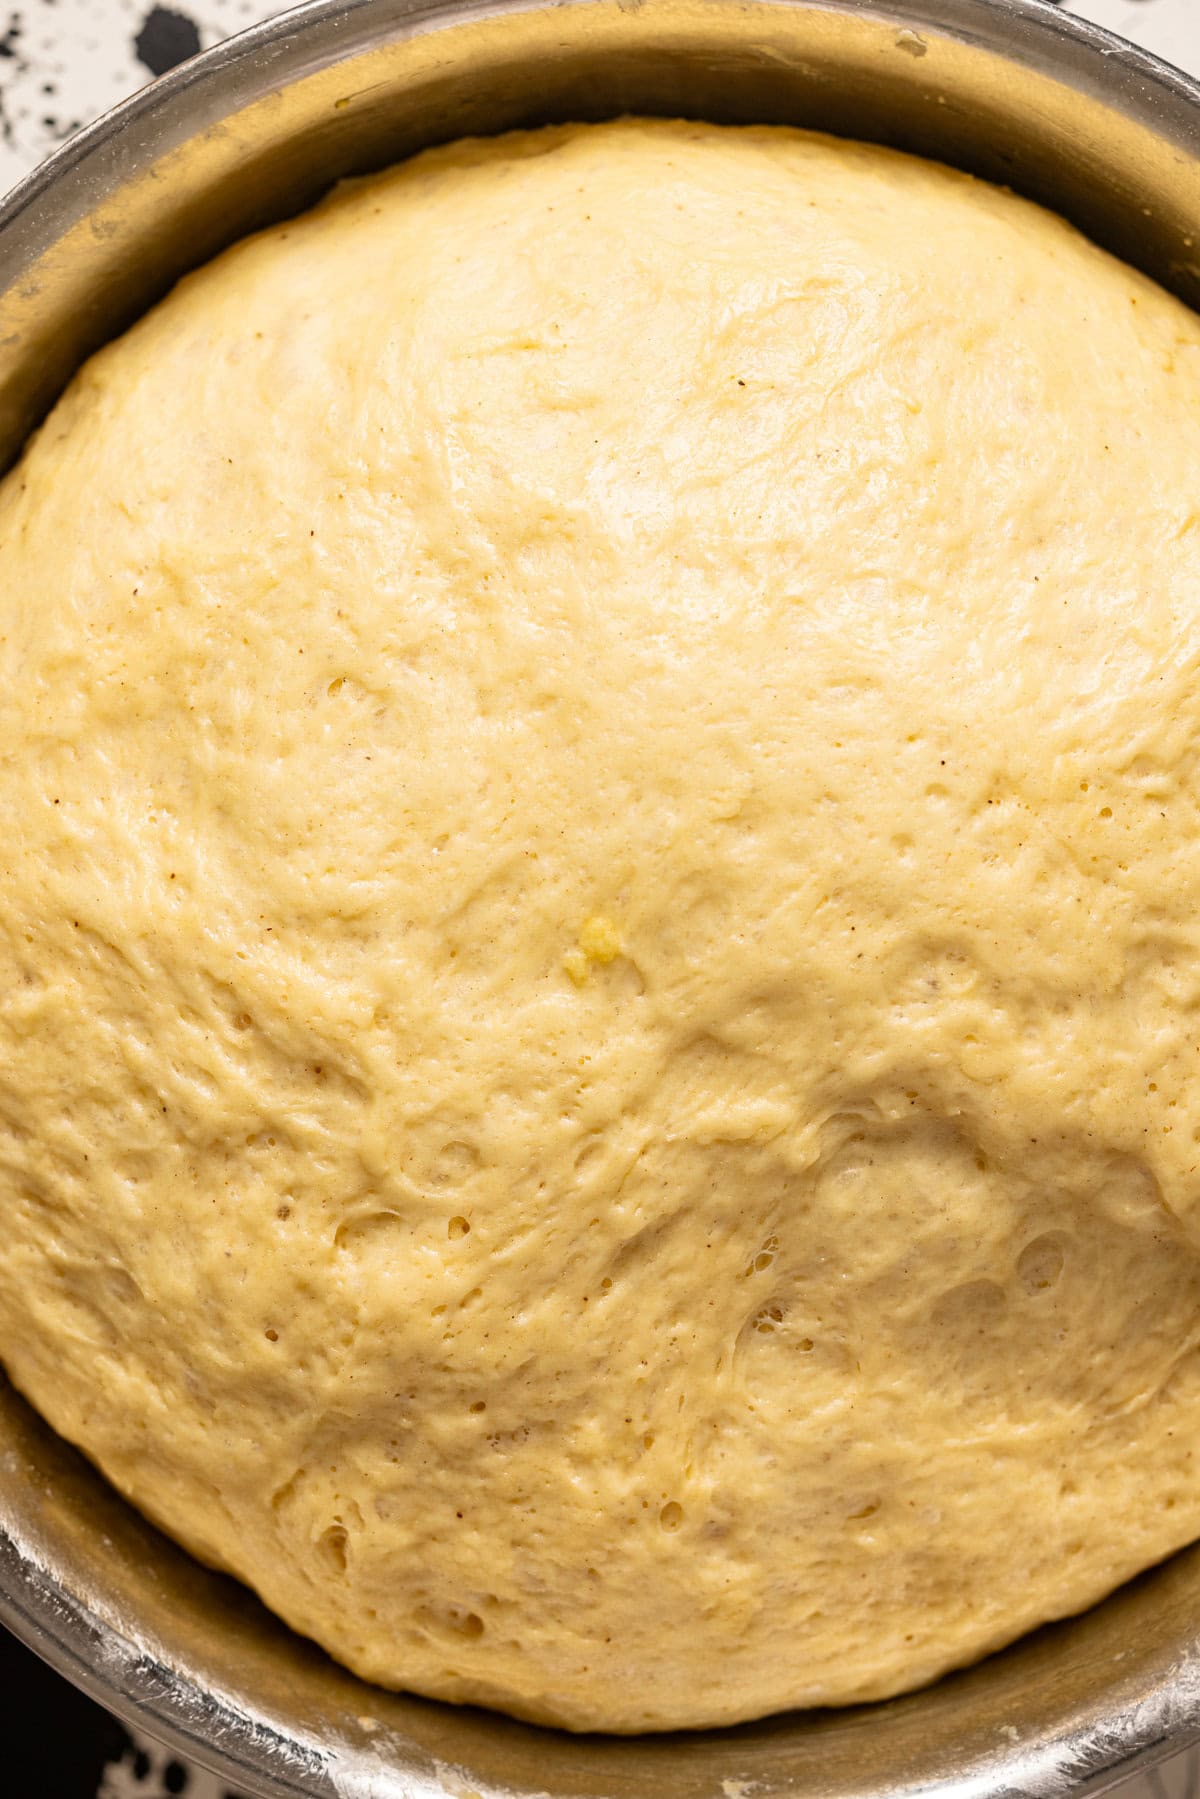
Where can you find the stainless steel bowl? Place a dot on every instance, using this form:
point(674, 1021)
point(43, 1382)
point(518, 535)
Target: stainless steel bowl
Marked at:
point(256, 129)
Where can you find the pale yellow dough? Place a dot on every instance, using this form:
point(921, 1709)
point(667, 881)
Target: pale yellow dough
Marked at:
point(600, 921)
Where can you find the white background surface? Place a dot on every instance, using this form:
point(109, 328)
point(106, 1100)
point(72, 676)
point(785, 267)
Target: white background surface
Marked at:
point(64, 61)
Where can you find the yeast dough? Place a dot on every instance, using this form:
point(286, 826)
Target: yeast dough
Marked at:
point(600, 921)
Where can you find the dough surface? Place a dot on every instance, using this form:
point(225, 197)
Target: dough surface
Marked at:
point(600, 921)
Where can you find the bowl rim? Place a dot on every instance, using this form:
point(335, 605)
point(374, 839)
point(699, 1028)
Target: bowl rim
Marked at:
point(285, 37)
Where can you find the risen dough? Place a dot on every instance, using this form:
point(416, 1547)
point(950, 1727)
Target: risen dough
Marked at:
point(601, 921)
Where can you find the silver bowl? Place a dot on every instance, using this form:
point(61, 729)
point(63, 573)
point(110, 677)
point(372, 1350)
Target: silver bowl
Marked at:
point(256, 129)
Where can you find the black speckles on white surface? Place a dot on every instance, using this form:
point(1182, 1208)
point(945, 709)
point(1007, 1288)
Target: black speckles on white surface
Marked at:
point(146, 1771)
point(66, 61)
point(166, 38)
point(10, 58)
point(62, 62)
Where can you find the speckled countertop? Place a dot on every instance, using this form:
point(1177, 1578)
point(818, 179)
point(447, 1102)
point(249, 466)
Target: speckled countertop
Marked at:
point(61, 63)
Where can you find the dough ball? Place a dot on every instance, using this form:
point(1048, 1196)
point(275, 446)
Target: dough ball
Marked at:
point(599, 921)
